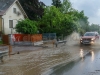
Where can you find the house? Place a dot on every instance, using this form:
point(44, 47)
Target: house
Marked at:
point(10, 12)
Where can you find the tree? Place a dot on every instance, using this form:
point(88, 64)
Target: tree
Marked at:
point(54, 21)
point(26, 27)
point(56, 3)
point(51, 20)
point(94, 27)
point(68, 25)
point(66, 6)
point(83, 21)
point(33, 8)
point(80, 19)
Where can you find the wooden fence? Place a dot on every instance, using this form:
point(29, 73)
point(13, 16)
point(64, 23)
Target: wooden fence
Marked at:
point(5, 39)
point(27, 37)
point(22, 37)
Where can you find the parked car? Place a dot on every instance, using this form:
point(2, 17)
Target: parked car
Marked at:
point(89, 38)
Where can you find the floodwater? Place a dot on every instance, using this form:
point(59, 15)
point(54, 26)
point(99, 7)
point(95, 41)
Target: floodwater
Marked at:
point(69, 59)
point(87, 64)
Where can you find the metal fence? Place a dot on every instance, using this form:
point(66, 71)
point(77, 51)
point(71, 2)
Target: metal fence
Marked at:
point(49, 36)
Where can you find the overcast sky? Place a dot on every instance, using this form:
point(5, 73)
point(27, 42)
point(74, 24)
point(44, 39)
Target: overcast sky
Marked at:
point(91, 8)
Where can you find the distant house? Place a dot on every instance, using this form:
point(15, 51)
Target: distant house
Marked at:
point(10, 12)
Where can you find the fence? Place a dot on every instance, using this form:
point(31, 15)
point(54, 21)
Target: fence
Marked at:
point(21, 38)
point(49, 36)
point(5, 39)
point(27, 37)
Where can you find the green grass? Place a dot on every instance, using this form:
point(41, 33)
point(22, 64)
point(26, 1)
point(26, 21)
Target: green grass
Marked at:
point(1, 42)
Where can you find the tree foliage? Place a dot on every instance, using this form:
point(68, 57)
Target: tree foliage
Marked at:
point(63, 22)
point(66, 6)
point(94, 27)
point(54, 21)
point(51, 19)
point(26, 27)
point(33, 8)
point(56, 3)
point(60, 18)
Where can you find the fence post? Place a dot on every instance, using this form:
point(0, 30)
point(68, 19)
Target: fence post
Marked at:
point(10, 50)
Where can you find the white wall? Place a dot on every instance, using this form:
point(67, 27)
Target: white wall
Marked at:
point(10, 15)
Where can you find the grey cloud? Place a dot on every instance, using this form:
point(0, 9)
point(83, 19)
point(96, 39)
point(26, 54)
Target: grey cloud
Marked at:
point(90, 7)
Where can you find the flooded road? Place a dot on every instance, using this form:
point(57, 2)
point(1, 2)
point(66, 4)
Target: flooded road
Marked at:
point(69, 59)
point(87, 59)
point(87, 64)
point(37, 62)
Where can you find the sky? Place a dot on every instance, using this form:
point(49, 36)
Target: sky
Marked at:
point(91, 8)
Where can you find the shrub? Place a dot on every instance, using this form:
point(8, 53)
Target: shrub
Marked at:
point(26, 27)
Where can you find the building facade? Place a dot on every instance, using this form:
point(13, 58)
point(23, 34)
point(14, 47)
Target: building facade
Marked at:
point(10, 13)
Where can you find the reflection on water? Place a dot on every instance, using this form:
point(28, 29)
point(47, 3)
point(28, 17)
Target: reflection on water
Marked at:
point(92, 55)
point(81, 54)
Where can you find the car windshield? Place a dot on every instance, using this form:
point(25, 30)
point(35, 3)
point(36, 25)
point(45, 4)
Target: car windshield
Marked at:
point(89, 34)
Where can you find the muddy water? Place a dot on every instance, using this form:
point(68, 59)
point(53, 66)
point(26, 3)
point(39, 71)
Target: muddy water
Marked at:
point(87, 63)
point(33, 63)
point(39, 62)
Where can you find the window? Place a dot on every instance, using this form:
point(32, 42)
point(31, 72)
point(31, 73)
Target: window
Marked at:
point(14, 10)
point(10, 23)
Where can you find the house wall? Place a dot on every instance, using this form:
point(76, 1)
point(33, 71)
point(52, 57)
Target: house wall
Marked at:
point(10, 15)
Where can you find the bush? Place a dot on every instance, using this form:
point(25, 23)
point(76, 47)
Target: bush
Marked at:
point(26, 27)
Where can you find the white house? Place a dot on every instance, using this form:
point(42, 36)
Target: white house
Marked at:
point(10, 12)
